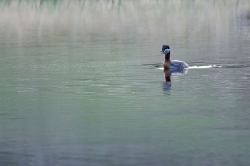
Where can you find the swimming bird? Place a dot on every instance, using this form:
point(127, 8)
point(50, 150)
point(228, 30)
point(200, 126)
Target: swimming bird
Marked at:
point(173, 65)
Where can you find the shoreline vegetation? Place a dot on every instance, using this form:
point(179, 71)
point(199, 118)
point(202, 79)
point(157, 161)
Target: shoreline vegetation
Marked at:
point(110, 17)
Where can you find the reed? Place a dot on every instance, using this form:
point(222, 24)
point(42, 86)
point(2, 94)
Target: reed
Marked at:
point(142, 17)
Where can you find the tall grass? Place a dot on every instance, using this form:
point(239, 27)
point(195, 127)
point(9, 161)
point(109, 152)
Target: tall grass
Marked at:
point(140, 17)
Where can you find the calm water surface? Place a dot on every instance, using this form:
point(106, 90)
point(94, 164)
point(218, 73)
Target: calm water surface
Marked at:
point(80, 84)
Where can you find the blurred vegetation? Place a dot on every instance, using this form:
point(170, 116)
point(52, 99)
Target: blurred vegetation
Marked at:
point(141, 17)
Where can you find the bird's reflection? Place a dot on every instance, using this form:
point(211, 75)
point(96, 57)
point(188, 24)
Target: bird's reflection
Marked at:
point(167, 82)
point(167, 77)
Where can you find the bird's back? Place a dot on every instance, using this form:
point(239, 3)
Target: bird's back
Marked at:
point(178, 65)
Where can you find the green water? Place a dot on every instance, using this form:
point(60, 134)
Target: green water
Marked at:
point(80, 84)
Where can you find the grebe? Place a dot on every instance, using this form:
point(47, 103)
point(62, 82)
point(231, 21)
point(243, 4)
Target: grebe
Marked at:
point(173, 65)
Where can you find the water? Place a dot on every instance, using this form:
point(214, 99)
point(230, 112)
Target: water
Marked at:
point(80, 84)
